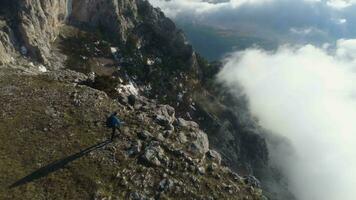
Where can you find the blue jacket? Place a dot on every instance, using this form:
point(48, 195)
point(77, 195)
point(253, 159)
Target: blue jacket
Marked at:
point(113, 121)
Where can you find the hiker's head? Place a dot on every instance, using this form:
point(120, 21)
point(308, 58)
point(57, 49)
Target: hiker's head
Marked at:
point(114, 113)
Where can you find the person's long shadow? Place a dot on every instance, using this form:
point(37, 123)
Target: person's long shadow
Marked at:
point(56, 165)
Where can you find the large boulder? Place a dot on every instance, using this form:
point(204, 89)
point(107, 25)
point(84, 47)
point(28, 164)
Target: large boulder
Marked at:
point(165, 115)
point(199, 143)
point(187, 124)
point(153, 155)
point(214, 156)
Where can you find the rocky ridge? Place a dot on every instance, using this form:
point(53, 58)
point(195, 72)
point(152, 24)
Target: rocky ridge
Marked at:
point(130, 58)
point(156, 156)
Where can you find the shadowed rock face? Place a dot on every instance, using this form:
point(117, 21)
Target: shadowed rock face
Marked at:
point(116, 17)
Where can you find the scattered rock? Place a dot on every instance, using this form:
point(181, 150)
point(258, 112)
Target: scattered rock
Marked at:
point(212, 167)
point(187, 124)
point(144, 135)
point(135, 148)
point(182, 138)
point(252, 181)
point(214, 156)
point(42, 68)
point(165, 185)
point(137, 196)
point(201, 170)
point(165, 115)
point(153, 155)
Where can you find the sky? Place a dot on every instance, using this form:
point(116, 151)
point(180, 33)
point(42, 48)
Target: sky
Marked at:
point(303, 90)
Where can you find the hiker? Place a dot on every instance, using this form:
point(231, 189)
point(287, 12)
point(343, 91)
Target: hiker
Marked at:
point(113, 122)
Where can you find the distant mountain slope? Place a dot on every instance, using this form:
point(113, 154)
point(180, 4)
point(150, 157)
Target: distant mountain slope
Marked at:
point(214, 43)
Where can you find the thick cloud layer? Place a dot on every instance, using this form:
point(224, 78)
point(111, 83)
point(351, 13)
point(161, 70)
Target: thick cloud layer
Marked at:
point(308, 95)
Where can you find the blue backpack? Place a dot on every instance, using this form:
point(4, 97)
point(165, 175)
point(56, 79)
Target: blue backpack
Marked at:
point(112, 122)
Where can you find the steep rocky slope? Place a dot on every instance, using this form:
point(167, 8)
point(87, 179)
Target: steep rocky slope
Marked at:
point(129, 57)
point(54, 146)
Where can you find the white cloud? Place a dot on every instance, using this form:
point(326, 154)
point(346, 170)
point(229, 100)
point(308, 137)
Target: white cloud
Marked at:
point(342, 21)
point(346, 49)
point(340, 4)
point(308, 96)
point(174, 7)
point(339, 21)
point(306, 31)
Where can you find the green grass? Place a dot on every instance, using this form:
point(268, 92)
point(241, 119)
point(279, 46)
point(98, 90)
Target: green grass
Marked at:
point(25, 147)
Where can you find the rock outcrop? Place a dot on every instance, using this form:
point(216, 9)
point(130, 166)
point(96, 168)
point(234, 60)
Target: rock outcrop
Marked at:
point(6, 43)
point(117, 18)
point(35, 24)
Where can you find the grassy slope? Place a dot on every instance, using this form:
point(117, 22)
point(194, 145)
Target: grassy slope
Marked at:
point(32, 104)
point(25, 145)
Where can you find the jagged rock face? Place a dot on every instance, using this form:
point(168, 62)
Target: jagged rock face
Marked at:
point(116, 17)
point(136, 20)
point(35, 23)
point(6, 41)
point(233, 132)
point(6, 34)
point(39, 22)
point(161, 34)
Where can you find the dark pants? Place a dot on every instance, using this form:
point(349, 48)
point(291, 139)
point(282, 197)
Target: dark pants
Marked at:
point(114, 132)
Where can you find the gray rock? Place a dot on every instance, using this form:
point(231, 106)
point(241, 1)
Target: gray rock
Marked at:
point(153, 155)
point(214, 156)
point(137, 196)
point(187, 124)
point(170, 127)
point(144, 135)
point(201, 170)
point(162, 120)
point(165, 185)
point(165, 114)
point(252, 181)
point(200, 144)
point(182, 138)
point(135, 148)
point(212, 167)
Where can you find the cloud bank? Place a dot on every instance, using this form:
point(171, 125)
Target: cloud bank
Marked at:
point(308, 95)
